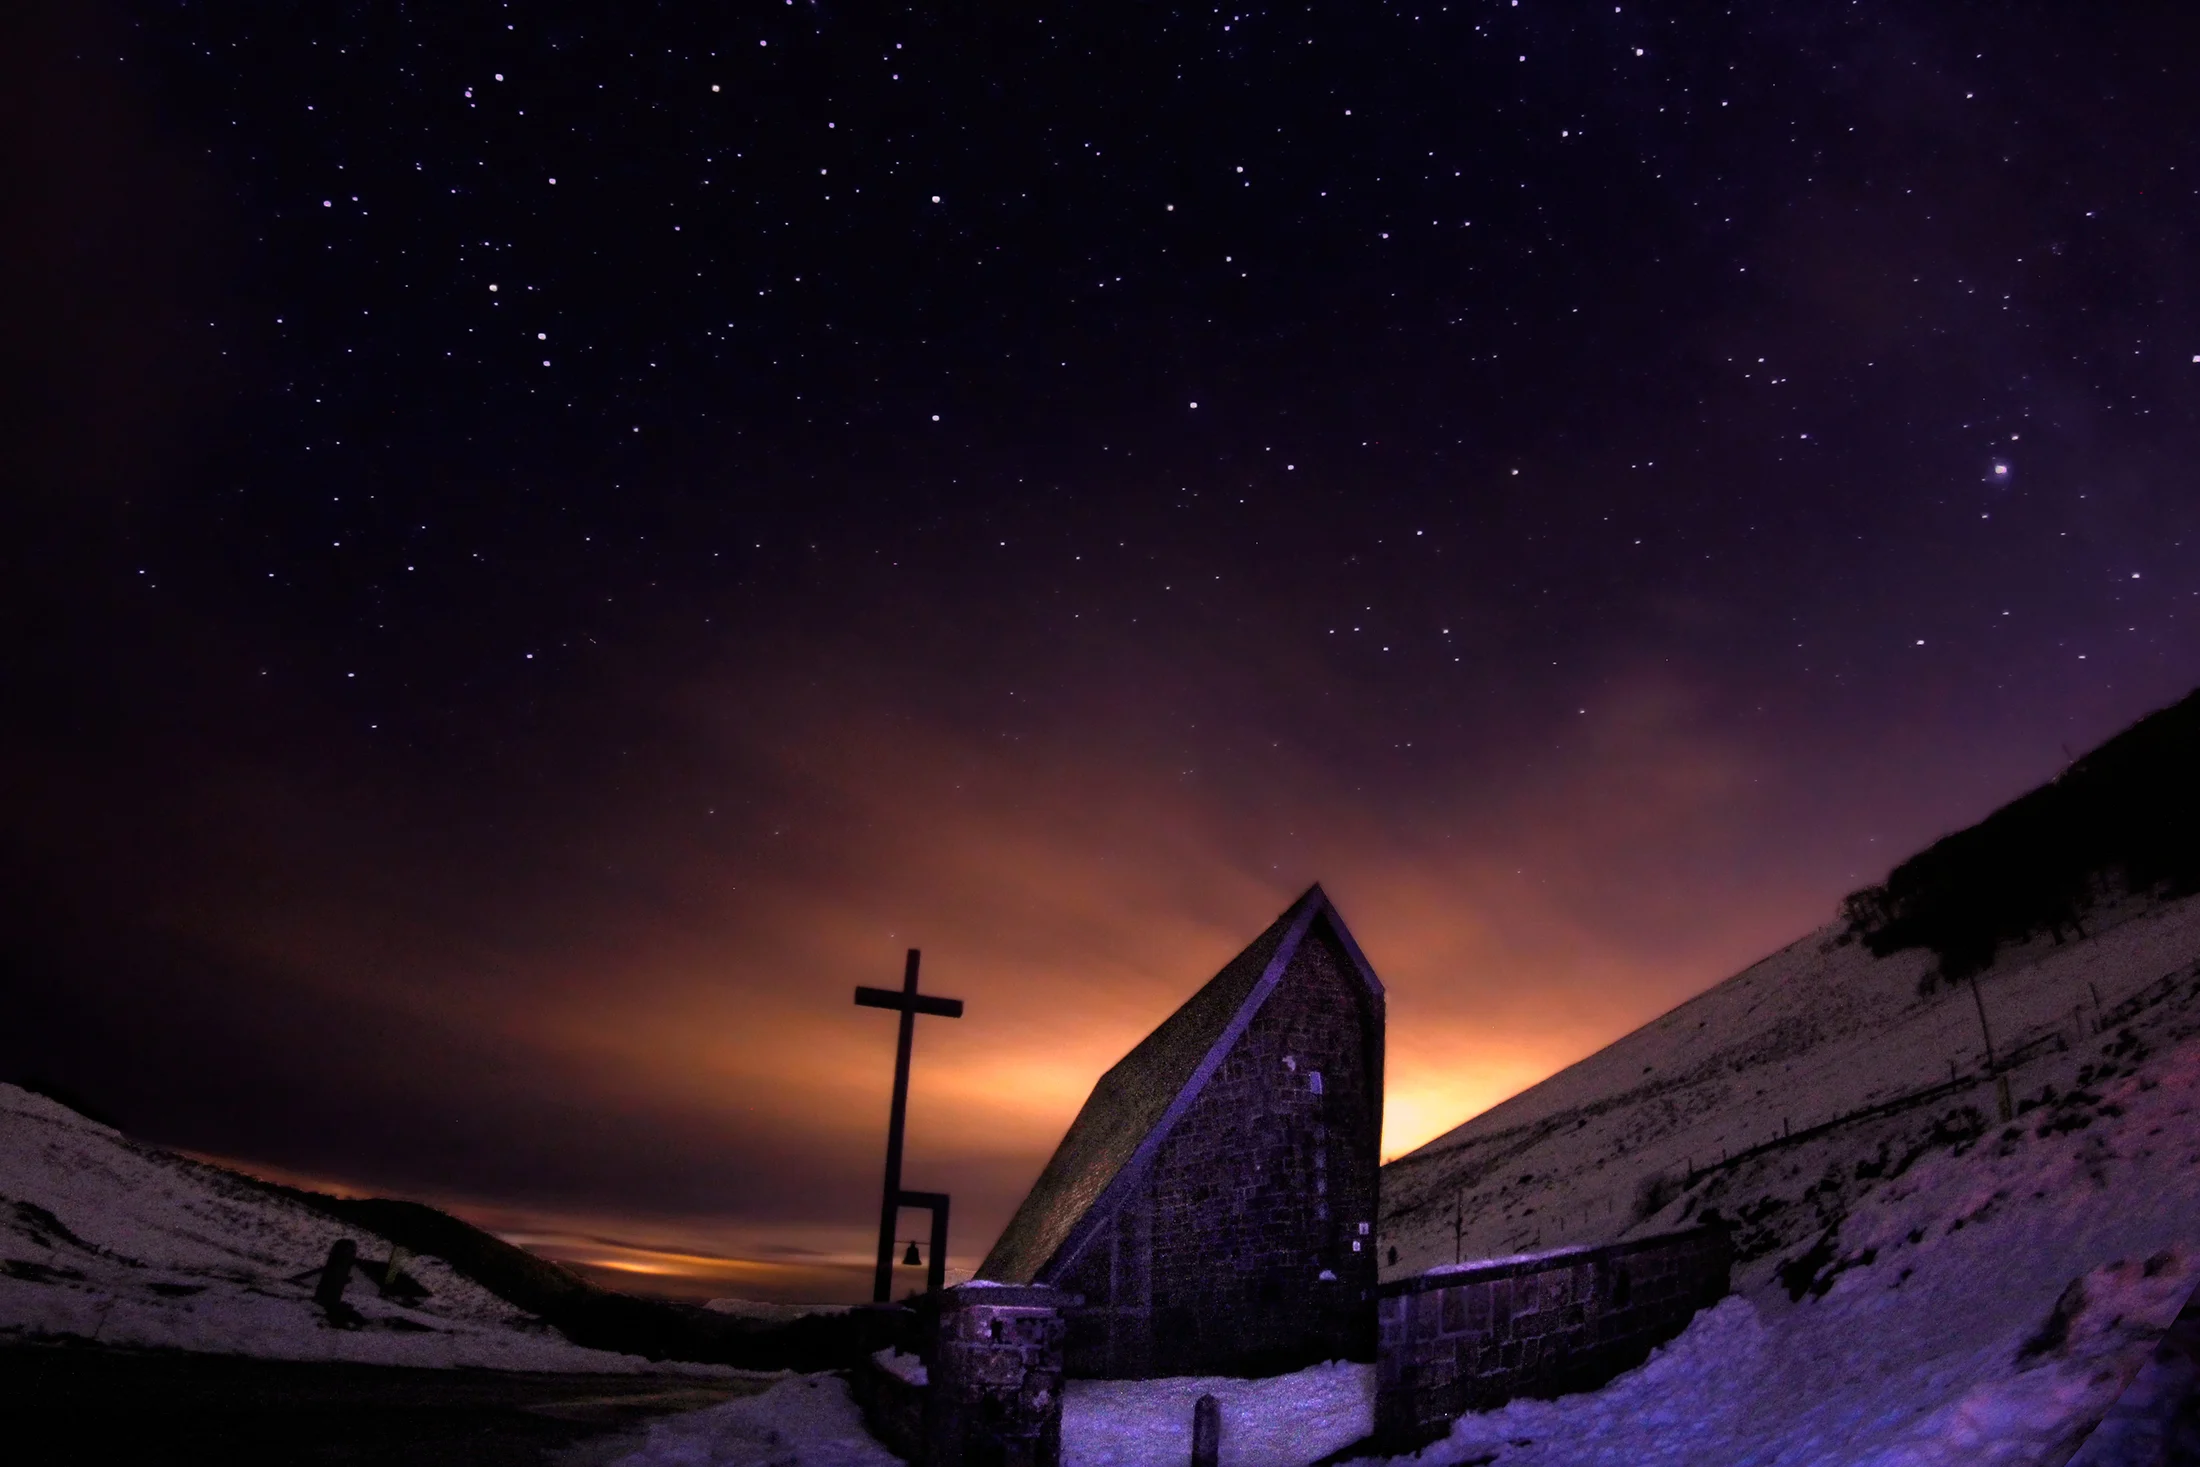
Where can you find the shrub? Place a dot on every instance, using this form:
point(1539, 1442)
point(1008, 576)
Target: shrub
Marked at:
point(2125, 817)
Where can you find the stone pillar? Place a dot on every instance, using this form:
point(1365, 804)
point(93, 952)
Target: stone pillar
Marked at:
point(996, 1377)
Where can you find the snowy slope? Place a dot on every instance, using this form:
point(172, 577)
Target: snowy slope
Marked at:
point(1920, 1283)
point(1985, 1306)
point(1978, 1298)
point(102, 1238)
point(1817, 1032)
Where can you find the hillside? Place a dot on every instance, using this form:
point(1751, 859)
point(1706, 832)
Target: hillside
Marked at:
point(2124, 821)
point(1857, 1034)
point(1945, 1255)
point(1820, 1049)
point(106, 1239)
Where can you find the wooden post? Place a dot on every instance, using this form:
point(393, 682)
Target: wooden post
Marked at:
point(908, 1003)
point(1206, 1432)
point(392, 1271)
point(336, 1273)
point(328, 1292)
point(1984, 1033)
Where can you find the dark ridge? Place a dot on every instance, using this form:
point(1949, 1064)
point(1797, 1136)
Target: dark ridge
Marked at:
point(2124, 819)
point(603, 1319)
point(62, 1094)
point(585, 1313)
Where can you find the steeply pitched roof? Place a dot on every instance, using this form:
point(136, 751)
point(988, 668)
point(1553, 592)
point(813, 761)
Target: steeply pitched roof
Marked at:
point(1132, 1108)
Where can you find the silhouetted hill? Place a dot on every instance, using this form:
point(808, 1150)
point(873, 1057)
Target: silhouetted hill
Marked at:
point(103, 1236)
point(2125, 819)
point(604, 1319)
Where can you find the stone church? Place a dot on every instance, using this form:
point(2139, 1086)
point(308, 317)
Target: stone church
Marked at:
point(1214, 1201)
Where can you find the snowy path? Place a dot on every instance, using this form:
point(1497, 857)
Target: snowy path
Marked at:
point(1286, 1421)
point(812, 1421)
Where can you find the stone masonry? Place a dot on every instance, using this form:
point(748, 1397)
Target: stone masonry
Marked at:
point(1250, 1247)
point(996, 1378)
point(1473, 1336)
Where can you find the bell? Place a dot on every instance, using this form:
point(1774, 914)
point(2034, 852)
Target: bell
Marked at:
point(910, 1258)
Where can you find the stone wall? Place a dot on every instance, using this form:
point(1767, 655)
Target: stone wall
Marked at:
point(1475, 1335)
point(892, 1389)
point(995, 1391)
point(1250, 1247)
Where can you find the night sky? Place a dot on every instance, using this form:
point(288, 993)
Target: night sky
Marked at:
point(543, 544)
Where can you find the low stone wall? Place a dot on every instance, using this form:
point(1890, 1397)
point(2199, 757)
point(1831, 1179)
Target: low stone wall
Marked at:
point(987, 1388)
point(996, 1377)
point(1475, 1335)
point(892, 1389)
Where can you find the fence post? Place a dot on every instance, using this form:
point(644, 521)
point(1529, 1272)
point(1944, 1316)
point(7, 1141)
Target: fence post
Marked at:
point(1206, 1432)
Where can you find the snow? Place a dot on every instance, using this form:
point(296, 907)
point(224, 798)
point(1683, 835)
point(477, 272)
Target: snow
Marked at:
point(910, 1368)
point(1921, 1285)
point(1816, 1032)
point(1985, 1303)
point(2153, 1421)
point(1547, 1255)
point(105, 1239)
point(1830, 1384)
point(801, 1421)
point(812, 1421)
point(1283, 1421)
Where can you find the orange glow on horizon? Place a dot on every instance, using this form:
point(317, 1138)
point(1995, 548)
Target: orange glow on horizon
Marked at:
point(1073, 892)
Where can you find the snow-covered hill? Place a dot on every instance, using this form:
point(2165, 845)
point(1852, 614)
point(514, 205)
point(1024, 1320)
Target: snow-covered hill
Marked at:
point(1920, 1280)
point(105, 1239)
point(1808, 1045)
point(1923, 1283)
point(1987, 1304)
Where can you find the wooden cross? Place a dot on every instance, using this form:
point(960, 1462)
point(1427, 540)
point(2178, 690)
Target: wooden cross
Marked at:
point(908, 1003)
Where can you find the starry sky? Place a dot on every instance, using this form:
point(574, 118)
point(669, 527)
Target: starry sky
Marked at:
point(545, 543)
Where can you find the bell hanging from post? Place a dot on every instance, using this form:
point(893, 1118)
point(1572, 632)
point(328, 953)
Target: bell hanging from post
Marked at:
point(911, 1258)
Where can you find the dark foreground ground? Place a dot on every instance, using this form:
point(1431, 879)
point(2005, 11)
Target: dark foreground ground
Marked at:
point(79, 1405)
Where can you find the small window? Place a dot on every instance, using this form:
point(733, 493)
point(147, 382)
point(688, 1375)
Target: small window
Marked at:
point(1363, 1230)
point(1314, 1081)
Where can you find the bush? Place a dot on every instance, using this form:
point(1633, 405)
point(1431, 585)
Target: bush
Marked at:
point(2125, 817)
